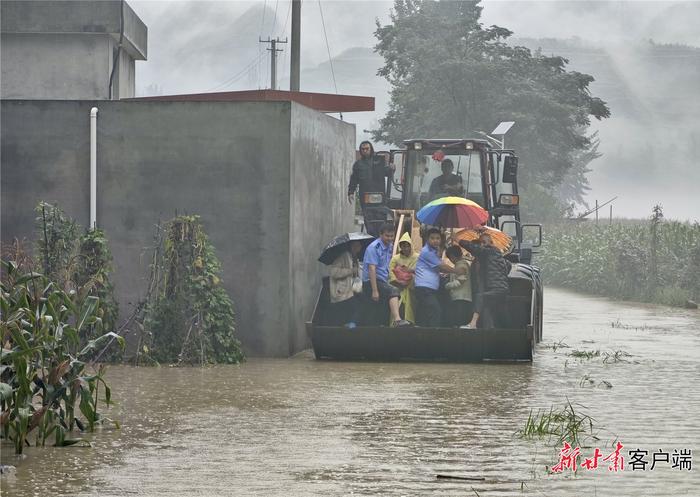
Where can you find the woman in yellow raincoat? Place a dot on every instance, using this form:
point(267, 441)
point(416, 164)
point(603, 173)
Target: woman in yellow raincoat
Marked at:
point(401, 272)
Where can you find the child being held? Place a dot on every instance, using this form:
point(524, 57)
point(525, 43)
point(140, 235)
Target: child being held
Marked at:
point(401, 272)
point(460, 308)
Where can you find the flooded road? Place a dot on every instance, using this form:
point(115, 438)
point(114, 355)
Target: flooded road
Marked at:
point(305, 427)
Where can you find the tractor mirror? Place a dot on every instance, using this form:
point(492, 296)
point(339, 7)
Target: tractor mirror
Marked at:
point(510, 169)
point(532, 234)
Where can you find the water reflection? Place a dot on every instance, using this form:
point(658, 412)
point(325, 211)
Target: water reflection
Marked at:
point(302, 427)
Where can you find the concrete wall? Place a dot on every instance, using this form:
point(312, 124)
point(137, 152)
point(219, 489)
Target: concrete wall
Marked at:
point(229, 162)
point(65, 50)
point(322, 153)
point(76, 16)
point(125, 76)
point(56, 66)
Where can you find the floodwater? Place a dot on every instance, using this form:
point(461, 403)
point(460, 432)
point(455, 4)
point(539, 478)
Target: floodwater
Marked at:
point(305, 427)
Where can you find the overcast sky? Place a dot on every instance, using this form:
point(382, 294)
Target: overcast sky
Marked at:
point(198, 46)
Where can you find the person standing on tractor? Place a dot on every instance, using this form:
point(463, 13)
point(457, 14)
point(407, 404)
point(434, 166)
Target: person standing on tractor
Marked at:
point(493, 282)
point(369, 173)
point(448, 184)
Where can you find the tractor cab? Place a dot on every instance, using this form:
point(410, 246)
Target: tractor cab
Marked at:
point(487, 176)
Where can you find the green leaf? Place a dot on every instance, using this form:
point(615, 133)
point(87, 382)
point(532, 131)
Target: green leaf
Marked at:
point(87, 406)
point(87, 309)
point(27, 277)
point(67, 442)
point(92, 344)
point(108, 394)
point(5, 391)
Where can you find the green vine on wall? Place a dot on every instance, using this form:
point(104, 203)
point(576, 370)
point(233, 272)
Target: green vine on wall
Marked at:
point(79, 263)
point(189, 317)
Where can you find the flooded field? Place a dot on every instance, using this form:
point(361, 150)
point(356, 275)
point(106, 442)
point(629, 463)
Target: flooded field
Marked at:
point(305, 427)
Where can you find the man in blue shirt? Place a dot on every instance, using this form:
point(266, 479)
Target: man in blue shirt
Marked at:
point(427, 281)
point(375, 274)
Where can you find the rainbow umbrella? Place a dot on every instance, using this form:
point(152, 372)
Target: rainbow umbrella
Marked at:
point(453, 212)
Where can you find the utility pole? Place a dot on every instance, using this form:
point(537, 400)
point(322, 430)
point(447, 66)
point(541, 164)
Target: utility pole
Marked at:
point(596, 213)
point(294, 71)
point(273, 59)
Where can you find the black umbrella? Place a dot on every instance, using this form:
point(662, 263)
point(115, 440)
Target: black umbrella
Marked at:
point(339, 244)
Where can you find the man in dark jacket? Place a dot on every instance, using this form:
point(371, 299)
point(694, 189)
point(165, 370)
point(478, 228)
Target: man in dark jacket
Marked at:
point(368, 173)
point(448, 184)
point(493, 281)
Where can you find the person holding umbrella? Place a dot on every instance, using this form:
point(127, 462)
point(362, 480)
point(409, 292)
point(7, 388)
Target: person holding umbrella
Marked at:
point(446, 212)
point(493, 279)
point(342, 256)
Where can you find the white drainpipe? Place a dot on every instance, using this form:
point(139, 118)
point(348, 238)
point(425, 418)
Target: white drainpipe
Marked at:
point(93, 168)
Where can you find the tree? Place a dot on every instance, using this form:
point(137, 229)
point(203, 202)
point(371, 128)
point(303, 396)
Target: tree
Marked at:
point(451, 76)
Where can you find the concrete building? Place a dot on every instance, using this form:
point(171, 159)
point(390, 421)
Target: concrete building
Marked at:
point(267, 178)
point(267, 171)
point(69, 50)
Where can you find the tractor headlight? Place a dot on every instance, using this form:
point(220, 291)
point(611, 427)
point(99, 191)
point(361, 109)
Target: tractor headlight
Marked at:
point(417, 146)
point(374, 198)
point(469, 146)
point(506, 199)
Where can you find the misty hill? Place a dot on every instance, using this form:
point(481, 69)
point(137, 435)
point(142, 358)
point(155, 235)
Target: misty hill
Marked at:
point(648, 144)
point(208, 46)
point(640, 81)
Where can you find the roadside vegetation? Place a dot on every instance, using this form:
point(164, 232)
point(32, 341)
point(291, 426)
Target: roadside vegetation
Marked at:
point(58, 310)
point(59, 318)
point(188, 316)
point(650, 260)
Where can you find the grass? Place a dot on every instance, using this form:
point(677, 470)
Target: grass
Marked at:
point(589, 381)
point(620, 325)
point(584, 354)
point(559, 425)
point(611, 356)
point(616, 356)
point(555, 345)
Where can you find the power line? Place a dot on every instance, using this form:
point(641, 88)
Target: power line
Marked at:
point(260, 52)
point(239, 74)
point(262, 22)
point(284, 32)
point(274, 19)
point(286, 20)
point(328, 48)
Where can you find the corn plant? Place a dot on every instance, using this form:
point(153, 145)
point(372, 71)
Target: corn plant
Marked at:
point(654, 260)
point(46, 382)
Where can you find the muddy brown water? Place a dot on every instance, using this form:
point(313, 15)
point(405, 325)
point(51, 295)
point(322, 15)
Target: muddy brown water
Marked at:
point(305, 427)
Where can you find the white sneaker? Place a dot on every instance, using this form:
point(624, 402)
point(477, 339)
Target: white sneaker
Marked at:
point(467, 327)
